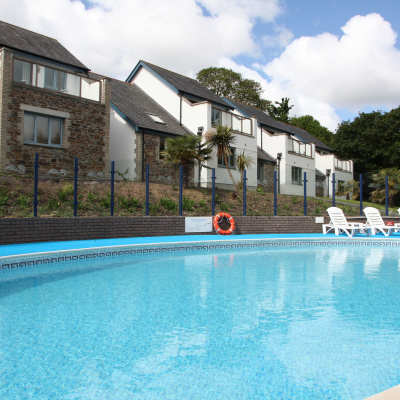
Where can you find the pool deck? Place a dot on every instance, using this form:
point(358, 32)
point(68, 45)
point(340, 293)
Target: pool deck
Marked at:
point(40, 247)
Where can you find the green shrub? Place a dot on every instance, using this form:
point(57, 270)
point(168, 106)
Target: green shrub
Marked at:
point(128, 203)
point(92, 197)
point(168, 204)
point(54, 204)
point(224, 207)
point(66, 192)
point(187, 204)
point(295, 199)
point(106, 201)
point(4, 197)
point(23, 201)
point(153, 208)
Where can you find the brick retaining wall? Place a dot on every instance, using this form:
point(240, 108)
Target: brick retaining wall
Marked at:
point(28, 230)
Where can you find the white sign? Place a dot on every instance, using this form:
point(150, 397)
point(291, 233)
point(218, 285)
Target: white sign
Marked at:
point(319, 220)
point(198, 224)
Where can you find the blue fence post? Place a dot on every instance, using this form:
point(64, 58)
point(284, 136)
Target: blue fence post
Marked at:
point(213, 193)
point(112, 187)
point(244, 193)
point(76, 169)
point(35, 185)
point(180, 189)
point(361, 196)
point(333, 190)
point(147, 188)
point(275, 188)
point(305, 193)
point(387, 196)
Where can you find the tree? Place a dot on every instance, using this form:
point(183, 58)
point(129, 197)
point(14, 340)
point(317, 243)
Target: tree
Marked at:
point(350, 189)
point(185, 151)
point(312, 126)
point(222, 140)
point(379, 184)
point(371, 140)
point(228, 83)
point(242, 162)
point(281, 110)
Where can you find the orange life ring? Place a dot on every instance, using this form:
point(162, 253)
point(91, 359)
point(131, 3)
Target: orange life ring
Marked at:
point(218, 218)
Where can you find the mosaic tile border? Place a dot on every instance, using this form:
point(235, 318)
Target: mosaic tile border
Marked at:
point(136, 250)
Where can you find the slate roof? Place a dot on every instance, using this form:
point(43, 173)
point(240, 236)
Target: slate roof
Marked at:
point(186, 85)
point(307, 137)
point(136, 105)
point(264, 156)
point(16, 38)
point(262, 117)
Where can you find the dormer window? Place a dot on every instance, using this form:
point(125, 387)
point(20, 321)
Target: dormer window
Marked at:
point(157, 119)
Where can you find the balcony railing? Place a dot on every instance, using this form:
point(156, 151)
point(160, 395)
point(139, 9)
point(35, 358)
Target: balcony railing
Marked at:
point(63, 82)
point(300, 148)
point(233, 121)
point(341, 165)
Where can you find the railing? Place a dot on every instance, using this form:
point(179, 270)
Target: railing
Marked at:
point(53, 79)
point(300, 148)
point(342, 165)
point(236, 122)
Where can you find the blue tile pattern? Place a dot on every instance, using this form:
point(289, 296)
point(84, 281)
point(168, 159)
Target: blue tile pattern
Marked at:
point(63, 256)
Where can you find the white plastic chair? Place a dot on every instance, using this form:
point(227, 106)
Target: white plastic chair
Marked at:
point(339, 223)
point(376, 223)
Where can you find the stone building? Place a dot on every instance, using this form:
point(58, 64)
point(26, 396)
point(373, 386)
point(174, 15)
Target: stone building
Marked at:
point(49, 105)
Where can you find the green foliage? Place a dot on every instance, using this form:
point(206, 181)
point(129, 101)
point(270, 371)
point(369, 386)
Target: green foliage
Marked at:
point(168, 204)
point(224, 207)
point(202, 203)
point(228, 83)
point(66, 192)
point(222, 140)
point(281, 110)
point(54, 204)
point(4, 196)
point(216, 198)
point(371, 140)
point(312, 126)
point(295, 199)
point(317, 211)
point(260, 190)
point(349, 189)
point(106, 201)
point(128, 203)
point(379, 184)
point(124, 175)
point(92, 197)
point(23, 201)
point(154, 208)
point(243, 162)
point(188, 204)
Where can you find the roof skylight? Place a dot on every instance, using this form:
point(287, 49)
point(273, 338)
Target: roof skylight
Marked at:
point(157, 119)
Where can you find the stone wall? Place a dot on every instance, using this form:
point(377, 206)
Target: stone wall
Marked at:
point(148, 152)
point(85, 128)
point(28, 230)
point(268, 181)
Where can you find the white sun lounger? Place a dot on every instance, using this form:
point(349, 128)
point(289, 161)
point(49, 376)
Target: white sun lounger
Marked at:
point(339, 223)
point(376, 223)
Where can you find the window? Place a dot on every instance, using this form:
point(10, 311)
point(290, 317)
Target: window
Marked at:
point(161, 149)
point(215, 117)
point(22, 72)
point(296, 176)
point(39, 129)
point(260, 172)
point(231, 159)
point(156, 118)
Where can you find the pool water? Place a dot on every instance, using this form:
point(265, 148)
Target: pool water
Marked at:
point(315, 323)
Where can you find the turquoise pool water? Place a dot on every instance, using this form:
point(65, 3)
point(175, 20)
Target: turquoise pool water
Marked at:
point(277, 323)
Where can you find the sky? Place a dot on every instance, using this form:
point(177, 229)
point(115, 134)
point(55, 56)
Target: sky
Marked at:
point(332, 58)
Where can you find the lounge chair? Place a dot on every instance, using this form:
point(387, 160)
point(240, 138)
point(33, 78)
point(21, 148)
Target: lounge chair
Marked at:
point(376, 223)
point(339, 223)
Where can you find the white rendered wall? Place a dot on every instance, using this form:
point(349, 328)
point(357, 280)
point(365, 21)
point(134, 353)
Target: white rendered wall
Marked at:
point(158, 90)
point(122, 146)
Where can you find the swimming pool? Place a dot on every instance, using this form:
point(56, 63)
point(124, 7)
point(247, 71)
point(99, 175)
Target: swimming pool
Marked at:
point(256, 319)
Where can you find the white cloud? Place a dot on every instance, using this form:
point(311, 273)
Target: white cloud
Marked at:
point(112, 35)
point(281, 39)
point(354, 71)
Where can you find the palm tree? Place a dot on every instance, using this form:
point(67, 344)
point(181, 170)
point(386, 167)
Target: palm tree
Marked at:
point(242, 162)
point(379, 194)
point(185, 151)
point(222, 140)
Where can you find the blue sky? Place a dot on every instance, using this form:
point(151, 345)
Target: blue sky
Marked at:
point(332, 58)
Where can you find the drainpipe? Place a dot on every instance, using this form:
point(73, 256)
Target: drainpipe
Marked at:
point(180, 110)
point(142, 156)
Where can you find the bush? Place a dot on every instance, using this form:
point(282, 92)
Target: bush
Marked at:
point(168, 204)
point(187, 204)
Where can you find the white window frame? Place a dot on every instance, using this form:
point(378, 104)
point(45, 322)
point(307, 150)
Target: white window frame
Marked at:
point(297, 176)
